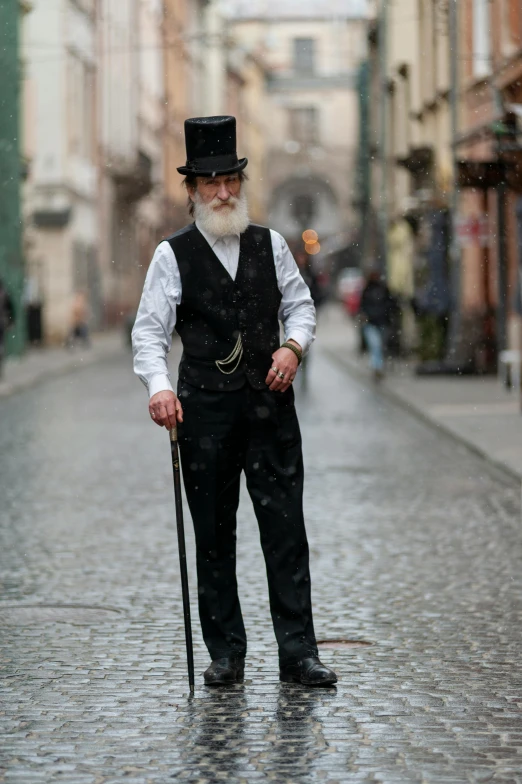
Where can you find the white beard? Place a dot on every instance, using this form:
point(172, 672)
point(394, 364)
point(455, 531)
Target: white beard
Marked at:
point(223, 222)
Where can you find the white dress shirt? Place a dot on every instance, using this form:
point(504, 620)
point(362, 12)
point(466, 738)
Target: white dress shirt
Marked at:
point(156, 317)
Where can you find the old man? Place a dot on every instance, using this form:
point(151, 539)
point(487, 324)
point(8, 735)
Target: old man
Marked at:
point(225, 285)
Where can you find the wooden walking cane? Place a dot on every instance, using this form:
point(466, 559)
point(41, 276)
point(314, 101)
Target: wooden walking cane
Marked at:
point(182, 554)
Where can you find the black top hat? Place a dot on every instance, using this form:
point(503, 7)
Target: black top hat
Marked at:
point(211, 147)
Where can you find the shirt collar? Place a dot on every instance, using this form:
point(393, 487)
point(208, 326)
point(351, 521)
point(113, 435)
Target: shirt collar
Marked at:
point(212, 239)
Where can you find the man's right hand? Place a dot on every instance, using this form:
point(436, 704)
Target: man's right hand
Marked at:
point(165, 409)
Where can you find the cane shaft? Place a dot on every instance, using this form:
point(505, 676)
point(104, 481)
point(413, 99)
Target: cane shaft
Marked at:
point(182, 554)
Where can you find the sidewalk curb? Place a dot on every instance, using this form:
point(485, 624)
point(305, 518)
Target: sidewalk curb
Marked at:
point(72, 365)
point(396, 398)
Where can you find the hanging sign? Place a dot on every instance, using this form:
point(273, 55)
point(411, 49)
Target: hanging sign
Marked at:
point(473, 230)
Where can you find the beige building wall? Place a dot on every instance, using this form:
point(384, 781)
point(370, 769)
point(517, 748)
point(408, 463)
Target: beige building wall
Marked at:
point(60, 193)
point(108, 85)
point(310, 117)
point(178, 106)
point(247, 100)
point(196, 82)
point(206, 73)
point(418, 101)
point(411, 148)
point(131, 125)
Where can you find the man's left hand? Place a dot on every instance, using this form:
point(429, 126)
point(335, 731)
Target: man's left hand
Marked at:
point(284, 361)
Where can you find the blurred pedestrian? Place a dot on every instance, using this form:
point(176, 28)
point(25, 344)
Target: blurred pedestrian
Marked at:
point(6, 319)
point(310, 277)
point(375, 312)
point(224, 284)
point(79, 321)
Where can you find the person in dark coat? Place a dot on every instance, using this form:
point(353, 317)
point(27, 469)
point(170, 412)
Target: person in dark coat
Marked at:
point(225, 284)
point(310, 277)
point(6, 319)
point(375, 310)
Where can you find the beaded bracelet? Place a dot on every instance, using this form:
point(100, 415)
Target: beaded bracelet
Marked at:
point(299, 354)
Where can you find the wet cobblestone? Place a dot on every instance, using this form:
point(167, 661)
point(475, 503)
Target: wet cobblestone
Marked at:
point(416, 548)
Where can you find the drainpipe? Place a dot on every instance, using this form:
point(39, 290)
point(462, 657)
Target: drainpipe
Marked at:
point(501, 191)
point(502, 270)
point(455, 255)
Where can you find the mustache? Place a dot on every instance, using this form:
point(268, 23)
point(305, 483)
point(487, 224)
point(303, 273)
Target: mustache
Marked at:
point(231, 201)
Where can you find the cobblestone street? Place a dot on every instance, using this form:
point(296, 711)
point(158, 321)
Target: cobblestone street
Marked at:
point(416, 550)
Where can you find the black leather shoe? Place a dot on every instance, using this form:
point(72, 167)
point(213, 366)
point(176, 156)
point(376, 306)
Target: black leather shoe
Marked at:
point(222, 672)
point(310, 672)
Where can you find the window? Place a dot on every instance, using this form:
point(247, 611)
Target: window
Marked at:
point(304, 55)
point(88, 6)
point(304, 208)
point(481, 38)
point(81, 107)
point(304, 125)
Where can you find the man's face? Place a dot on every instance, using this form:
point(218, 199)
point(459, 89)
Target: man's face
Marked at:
point(219, 192)
point(220, 205)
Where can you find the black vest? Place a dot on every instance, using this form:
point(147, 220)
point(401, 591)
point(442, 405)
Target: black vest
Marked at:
point(215, 309)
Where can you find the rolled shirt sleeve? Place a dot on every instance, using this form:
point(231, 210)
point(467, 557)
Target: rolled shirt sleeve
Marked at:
point(297, 310)
point(156, 319)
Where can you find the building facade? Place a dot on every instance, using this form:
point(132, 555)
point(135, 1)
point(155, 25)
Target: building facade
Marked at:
point(60, 209)
point(444, 166)
point(107, 88)
point(189, 26)
point(410, 164)
point(93, 141)
point(309, 118)
point(131, 126)
point(208, 72)
point(490, 158)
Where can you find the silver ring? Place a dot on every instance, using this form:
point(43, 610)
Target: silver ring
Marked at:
point(281, 375)
point(153, 415)
point(274, 369)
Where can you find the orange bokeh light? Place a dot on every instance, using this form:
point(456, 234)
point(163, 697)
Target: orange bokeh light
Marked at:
point(310, 236)
point(312, 247)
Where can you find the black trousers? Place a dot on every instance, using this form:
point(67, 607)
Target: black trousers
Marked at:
point(223, 434)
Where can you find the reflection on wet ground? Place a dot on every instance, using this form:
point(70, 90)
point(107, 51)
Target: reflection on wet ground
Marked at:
point(239, 733)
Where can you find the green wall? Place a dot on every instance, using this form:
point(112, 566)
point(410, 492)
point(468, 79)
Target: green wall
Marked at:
point(11, 261)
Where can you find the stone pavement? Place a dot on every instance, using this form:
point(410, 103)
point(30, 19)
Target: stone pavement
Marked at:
point(476, 410)
point(38, 364)
point(416, 550)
